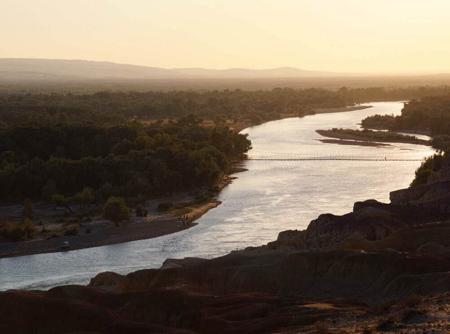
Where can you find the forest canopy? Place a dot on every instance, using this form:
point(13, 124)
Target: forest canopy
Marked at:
point(430, 115)
point(112, 108)
point(109, 108)
point(152, 143)
point(128, 160)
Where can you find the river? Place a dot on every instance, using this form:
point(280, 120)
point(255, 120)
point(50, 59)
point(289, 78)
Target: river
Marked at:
point(271, 196)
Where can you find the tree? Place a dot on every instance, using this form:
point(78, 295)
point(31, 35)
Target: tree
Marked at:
point(59, 200)
point(441, 143)
point(27, 209)
point(116, 210)
point(141, 211)
point(23, 230)
point(105, 191)
point(29, 230)
point(85, 197)
point(48, 190)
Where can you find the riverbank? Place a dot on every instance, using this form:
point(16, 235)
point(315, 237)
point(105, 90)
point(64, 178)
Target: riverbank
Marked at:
point(341, 109)
point(380, 268)
point(263, 201)
point(369, 136)
point(241, 125)
point(352, 142)
point(100, 232)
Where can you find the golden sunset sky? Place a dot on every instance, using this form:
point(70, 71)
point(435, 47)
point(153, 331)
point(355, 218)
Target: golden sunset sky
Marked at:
point(328, 35)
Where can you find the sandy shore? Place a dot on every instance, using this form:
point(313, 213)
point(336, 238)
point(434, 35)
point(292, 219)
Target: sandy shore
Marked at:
point(352, 142)
point(341, 109)
point(349, 135)
point(102, 232)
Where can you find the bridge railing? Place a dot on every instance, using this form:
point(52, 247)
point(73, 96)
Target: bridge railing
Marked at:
point(283, 156)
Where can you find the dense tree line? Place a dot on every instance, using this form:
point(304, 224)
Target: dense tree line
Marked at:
point(431, 166)
point(112, 108)
point(429, 114)
point(94, 162)
point(108, 108)
point(374, 94)
point(53, 146)
point(61, 144)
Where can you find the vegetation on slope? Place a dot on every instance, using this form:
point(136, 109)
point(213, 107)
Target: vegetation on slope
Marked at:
point(427, 115)
point(428, 168)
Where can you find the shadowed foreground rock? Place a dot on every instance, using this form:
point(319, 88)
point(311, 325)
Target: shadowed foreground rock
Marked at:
point(381, 268)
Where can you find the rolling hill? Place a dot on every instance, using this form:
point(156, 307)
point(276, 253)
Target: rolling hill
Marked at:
point(16, 69)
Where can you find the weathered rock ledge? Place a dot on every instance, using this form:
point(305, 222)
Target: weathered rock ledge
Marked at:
point(345, 273)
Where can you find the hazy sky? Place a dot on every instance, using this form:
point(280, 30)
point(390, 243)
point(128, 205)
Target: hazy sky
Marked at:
point(337, 35)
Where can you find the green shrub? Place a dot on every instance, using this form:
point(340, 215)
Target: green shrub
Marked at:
point(85, 197)
point(116, 210)
point(164, 206)
point(24, 230)
point(430, 166)
point(73, 230)
point(59, 200)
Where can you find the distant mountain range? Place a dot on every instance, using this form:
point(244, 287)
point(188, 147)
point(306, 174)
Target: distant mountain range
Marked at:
point(18, 69)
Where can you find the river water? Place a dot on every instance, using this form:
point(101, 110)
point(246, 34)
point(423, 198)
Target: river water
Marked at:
point(270, 197)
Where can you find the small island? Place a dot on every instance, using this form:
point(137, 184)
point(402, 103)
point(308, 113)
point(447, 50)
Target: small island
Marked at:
point(369, 136)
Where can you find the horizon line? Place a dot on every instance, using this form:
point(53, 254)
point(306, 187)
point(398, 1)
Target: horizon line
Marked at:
point(280, 67)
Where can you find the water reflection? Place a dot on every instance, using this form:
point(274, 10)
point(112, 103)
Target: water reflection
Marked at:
point(268, 198)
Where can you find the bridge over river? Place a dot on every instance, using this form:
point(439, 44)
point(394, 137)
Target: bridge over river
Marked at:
point(299, 157)
point(291, 179)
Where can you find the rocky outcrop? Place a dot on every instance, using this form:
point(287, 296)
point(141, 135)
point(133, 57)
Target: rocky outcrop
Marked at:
point(369, 221)
point(434, 196)
point(181, 263)
point(339, 268)
point(312, 274)
point(180, 311)
point(253, 291)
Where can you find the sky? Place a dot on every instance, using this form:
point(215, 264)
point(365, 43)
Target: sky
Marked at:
point(364, 36)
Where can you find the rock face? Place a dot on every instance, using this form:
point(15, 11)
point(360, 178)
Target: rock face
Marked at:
point(319, 274)
point(285, 287)
point(434, 195)
point(244, 292)
point(369, 221)
point(339, 268)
